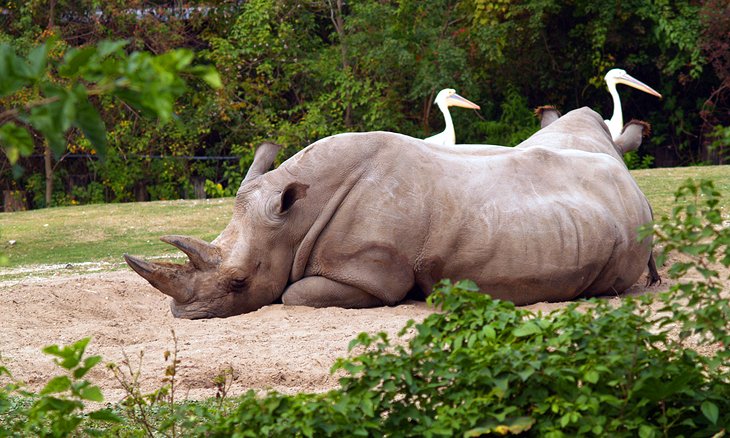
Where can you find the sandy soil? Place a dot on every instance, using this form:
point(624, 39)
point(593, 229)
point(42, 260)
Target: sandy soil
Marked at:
point(285, 348)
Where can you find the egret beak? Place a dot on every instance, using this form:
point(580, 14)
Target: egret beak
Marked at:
point(456, 100)
point(627, 79)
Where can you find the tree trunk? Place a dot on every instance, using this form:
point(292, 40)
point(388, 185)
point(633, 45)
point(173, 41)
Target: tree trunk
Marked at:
point(51, 10)
point(426, 113)
point(339, 22)
point(48, 162)
point(47, 157)
point(14, 200)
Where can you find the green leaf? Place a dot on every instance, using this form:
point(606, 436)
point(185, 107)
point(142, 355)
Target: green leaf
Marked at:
point(107, 47)
point(646, 432)
point(105, 415)
point(710, 410)
point(91, 124)
point(467, 285)
point(37, 59)
point(489, 332)
point(89, 363)
point(55, 118)
point(70, 355)
point(92, 393)
point(591, 376)
point(526, 329)
point(526, 373)
point(208, 74)
point(56, 385)
point(75, 60)
point(11, 80)
point(16, 141)
point(212, 78)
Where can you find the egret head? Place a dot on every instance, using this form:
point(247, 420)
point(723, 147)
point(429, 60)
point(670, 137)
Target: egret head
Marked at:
point(448, 97)
point(619, 76)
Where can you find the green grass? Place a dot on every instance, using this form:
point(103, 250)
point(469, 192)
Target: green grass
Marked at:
point(102, 233)
point(659, 185)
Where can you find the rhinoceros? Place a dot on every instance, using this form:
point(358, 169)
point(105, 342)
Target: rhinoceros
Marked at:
point(361, 219)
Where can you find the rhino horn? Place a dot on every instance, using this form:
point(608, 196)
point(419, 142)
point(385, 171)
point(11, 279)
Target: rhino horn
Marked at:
point(166, 278)
point(202, 254)
point(262, 160)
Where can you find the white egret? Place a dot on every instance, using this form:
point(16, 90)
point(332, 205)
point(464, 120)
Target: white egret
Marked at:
point(446, 98)
point(618, 76)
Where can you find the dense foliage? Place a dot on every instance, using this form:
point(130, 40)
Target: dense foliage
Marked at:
point(478, 367)
point(294, 72)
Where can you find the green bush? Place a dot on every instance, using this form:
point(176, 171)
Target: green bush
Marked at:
point(93, 193)
point(516, 121)
point(58, 409)
point(635, 161)
point(483, 366)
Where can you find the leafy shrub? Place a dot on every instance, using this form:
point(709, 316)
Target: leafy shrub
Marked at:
point(697, 231)
point(214, 190)
point(93, 193)
point(483, 366)
point(635, 161)
point(516, 121)
point(58, 410)
point(36, 186)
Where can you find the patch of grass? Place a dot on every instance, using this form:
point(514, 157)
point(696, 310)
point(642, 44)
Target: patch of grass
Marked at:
point(102, 233)
point(659, 185)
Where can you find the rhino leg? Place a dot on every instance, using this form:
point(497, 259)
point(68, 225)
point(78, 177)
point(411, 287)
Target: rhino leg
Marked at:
point(323, 292)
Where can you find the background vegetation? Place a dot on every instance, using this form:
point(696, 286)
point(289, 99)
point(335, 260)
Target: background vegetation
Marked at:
point(294, 72)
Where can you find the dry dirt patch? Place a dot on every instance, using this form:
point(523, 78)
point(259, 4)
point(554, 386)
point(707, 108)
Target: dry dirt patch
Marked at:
point(285, 348)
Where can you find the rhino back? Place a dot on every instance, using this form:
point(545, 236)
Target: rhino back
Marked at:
point(580, 129)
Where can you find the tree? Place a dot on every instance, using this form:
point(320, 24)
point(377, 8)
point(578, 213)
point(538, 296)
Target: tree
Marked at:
point(64, 87)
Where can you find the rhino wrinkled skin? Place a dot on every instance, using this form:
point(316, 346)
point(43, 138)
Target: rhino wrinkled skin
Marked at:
point(359, 220)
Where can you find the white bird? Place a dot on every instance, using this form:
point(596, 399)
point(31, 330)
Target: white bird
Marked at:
point(618, 76)
point(446, 98)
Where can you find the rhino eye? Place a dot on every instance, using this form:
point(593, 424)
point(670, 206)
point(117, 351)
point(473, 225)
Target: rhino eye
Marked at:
point(238, 285)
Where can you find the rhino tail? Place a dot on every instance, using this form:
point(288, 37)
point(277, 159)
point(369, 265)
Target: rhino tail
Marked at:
point(653, 277)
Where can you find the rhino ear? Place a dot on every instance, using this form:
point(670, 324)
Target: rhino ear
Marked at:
point(547, 114)
point(291, 194)
point(632, 135)
point(262, 160)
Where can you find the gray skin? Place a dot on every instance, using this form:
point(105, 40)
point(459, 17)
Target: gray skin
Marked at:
point(547, 114)
point(580, 134)
point(631, 136)
point(359, 220)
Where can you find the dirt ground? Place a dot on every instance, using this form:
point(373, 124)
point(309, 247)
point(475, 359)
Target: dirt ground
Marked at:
point(284, 348)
